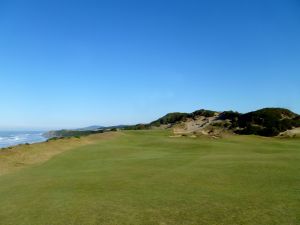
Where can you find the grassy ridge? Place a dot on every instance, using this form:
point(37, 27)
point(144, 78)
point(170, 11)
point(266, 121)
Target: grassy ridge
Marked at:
point(146, 177)
point(22, 156)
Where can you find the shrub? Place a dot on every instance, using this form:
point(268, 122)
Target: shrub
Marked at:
point(269, 132)
point(229, 115)
point(250, 129)
point(202, 112)
point(170, 118)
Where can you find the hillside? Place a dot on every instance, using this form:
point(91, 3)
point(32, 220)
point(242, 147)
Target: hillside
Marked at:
point(267, 122)
point(264, 122)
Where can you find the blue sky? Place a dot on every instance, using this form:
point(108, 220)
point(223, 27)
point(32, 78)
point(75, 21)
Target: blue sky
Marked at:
point(66, 64)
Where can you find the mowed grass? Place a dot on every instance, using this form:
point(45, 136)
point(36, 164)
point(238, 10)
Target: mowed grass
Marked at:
point(146, 177)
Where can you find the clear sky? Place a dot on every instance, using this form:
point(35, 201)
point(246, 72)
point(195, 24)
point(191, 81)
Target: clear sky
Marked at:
point(66, 64)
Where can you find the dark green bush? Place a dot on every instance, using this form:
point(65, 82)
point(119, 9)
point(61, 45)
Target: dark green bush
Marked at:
point(202, 112)
point(229, 115)
point(138, 127)
point(170, 118)
point(269, 132)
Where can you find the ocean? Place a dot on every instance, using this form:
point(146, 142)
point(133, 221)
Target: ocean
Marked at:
point(11, 138)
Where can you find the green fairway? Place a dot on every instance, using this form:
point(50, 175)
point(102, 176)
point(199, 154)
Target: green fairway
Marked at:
point(147, 177)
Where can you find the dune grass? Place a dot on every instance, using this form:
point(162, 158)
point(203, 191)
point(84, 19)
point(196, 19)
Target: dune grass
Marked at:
point(22, 156)
point(146, 177)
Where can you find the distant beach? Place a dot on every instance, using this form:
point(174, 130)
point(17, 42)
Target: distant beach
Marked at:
point(12, 138)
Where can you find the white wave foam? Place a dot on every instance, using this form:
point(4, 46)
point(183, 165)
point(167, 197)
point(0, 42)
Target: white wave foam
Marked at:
point(15, 138)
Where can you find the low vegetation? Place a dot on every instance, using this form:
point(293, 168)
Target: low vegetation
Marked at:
point(170, 118)
point(267, 122)
point(74, 133)
point(173, 118)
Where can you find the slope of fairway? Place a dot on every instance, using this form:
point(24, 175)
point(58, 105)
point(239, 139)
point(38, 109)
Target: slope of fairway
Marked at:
point(22, 156)
point(146, 177)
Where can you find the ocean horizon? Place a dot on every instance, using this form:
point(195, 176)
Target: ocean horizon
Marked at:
point(13, 138)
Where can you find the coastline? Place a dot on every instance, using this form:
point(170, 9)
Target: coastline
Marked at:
point(10, 139)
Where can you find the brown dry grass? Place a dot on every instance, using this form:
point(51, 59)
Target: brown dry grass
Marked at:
point(22, 156)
